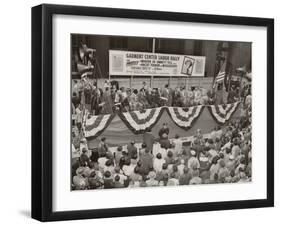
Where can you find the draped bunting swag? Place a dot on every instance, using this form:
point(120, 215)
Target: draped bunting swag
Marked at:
point(141, 121)
point(222, 113)
point(185, 117)
point(95, 125)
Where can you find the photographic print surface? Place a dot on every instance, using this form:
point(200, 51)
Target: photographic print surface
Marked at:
point(159, 112)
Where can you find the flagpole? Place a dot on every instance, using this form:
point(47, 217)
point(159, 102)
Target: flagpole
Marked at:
point(153, 51)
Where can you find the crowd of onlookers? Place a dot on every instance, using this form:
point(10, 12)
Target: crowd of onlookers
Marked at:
point(111, 98)
point(222, 156)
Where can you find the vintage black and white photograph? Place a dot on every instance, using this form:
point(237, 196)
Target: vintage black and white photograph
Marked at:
point(149, 111)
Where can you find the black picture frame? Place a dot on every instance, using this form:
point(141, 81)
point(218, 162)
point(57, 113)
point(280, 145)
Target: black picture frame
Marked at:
point(42, 111)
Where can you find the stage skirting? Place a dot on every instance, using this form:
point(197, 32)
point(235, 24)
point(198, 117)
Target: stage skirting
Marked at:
point(120, 129)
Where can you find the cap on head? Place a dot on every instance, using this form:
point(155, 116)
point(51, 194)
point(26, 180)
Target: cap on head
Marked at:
point(93, 174)
point(117, 169)
point(84, 150)
point(107, 174)
point(193, 153)
point(151, 175)
point(159, 156)
point(80, 171)
point(117, 178)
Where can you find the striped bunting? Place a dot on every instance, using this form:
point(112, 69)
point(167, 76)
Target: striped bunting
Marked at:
point(95, 125)
point(222, 113)
point(185, 117)
point(140, 121)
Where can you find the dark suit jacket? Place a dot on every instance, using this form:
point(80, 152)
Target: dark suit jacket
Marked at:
point(148, 139)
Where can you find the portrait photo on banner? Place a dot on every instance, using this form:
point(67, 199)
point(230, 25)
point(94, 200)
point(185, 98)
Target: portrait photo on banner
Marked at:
point(150, 111)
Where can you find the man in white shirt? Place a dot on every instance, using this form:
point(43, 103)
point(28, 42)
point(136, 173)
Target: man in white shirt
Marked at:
point(128, 168)
point(101, 161)
point(195, 178)
point(119, 172)
point(177, 145)
point(162, 151)
point(173, 181)
point(181, 167)
point(152, 181)
point(212, 153)
point(193, 162)
point(158, 163)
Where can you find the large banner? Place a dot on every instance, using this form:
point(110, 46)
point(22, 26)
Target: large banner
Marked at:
point(155, 64)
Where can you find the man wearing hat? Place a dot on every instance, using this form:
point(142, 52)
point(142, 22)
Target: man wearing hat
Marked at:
point(166, 96)
point(163, 130)
point(102, 147)
point(185, 177)
point(142, 149)
point(148, 139)
point(158, 162)
point(177, 143)
point(128, 168)
point(119, 172)
point(108, 180)
point(214, 168)
point(136, 176)
point(173, 181)
point(155, 98)
point(79, 181)
point(164, 141)
point(84, 159)
point(132, 149)
point(193, 162)
point(223, 172)
point(117, 183)
point(108, 103)
point(118, 155)
point(235, 148)
point(94, 181)
point(84, 145)
point(195, 178)
point(151, 179)
point(147, 161)
point(231, 163)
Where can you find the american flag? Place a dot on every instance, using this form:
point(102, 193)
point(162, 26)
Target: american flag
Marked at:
point(221, 75)
point(219, 78)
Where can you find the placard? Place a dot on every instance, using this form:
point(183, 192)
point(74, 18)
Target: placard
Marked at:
point(130, 63)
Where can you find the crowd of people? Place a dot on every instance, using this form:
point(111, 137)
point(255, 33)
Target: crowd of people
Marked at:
point(223, 156)
point(111, 98)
